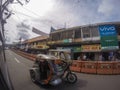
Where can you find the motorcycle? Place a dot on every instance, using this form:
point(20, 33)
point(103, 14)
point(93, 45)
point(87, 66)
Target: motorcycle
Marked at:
point(48, 69)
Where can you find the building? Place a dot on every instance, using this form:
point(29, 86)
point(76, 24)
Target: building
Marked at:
point(35, 45)
point(90, 40)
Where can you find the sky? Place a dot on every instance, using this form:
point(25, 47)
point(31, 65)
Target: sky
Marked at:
point(42, 14)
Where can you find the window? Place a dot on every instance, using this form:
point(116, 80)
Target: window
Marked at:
point(67, 34)
point(63, 35)
point(94, 31)
point(86, 32)
point(55, 36)
point(78, 33)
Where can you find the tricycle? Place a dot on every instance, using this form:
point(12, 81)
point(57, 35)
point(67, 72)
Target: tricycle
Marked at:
point(49, 69)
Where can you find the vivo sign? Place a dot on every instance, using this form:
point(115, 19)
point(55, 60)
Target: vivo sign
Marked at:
point(107, 30)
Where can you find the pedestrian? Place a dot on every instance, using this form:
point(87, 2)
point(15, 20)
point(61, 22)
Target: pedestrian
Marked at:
point(79, 57)
point(100, 57)
point(110, 56)
point(84, 57)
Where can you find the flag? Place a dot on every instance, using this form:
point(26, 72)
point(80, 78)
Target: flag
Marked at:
point(52, 29)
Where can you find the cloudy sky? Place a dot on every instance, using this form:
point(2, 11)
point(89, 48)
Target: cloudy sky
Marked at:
point(43, 14)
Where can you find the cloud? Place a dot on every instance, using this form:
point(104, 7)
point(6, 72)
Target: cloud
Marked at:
point(106, 7)
point(11, 29)
point(110, 10)
point(109, 7)
point(71, 12)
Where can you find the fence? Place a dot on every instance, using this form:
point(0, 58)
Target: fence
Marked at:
point(96, 67)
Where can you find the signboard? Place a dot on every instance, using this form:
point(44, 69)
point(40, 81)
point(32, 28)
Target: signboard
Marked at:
point(109, 40)
point(89, 48)
point(77, 49)
point(67, 40)
point(74, 49)
point(42, 46)
point(107, 30)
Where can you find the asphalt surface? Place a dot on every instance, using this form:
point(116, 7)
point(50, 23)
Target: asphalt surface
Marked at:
point(20, 77)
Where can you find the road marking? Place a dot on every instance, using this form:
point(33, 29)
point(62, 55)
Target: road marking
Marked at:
point(17, 60)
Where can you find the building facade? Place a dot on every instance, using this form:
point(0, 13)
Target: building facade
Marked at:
point(90, 41)
point(35, 45)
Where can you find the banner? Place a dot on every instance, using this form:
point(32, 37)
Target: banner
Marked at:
point(109, 40)
point(107, 30)
point(36, 31)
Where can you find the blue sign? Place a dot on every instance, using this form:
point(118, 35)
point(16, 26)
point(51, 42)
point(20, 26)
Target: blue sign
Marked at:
point(107, 30)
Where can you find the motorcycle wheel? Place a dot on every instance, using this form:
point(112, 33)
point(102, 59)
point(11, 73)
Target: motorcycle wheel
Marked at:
point(33, 76)
point(71, 78)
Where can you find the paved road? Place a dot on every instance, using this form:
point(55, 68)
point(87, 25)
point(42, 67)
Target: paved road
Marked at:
point(19, 73)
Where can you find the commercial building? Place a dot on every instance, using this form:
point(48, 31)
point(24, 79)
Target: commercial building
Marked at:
point(35, 45)
point(91, 40)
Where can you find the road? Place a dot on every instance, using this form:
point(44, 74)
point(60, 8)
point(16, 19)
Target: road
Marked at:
point(19, 73)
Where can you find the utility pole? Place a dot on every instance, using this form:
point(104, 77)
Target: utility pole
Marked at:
point(3, 8)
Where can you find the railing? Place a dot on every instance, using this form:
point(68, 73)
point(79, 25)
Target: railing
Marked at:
point(97, 67)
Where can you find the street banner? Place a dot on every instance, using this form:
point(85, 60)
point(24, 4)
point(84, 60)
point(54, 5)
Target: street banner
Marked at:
point(36, 31)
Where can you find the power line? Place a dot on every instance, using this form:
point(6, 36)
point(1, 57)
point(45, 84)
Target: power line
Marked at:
point(46, 21)
point(17, 15)
point(23, 14)
point(31, 11)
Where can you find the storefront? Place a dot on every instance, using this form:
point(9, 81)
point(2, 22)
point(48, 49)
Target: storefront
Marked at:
point(90, 52)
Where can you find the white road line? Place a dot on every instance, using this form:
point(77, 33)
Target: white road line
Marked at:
point(17, 60)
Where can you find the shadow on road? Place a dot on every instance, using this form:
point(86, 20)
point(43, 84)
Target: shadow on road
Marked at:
point(66, 86)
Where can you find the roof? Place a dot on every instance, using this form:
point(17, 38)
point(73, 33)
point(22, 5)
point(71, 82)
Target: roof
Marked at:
point(39, 38)
point(76, 27)
point(46, 57)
